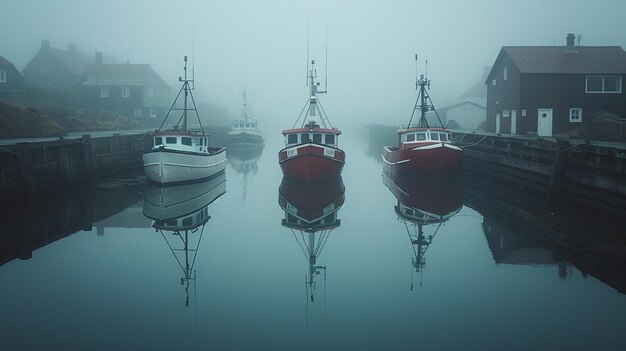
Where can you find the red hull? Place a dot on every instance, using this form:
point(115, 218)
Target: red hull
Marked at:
point(439, 197)
point(311, 162)
point(311, 201)
point(438, 160)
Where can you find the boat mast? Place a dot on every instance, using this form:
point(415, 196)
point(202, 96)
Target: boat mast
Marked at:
point(423, 102)
point(245, 106)
point(186, 88)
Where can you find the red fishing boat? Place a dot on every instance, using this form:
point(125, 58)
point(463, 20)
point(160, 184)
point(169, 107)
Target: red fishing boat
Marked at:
point(311, 213)
point(311, 151)
point(423, 151)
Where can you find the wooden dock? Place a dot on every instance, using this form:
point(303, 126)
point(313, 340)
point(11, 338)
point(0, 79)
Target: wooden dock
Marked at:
point(587, 173)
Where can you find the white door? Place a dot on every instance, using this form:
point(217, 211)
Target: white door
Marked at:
point(514, 122)
point(497, 123)
point(544, 122)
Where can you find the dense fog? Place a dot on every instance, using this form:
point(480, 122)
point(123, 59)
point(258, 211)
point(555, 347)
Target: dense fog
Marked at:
point(262, 45)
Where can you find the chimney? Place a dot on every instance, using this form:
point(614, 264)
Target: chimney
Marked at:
point(570, 39)
point(45, 44)
point(71, 48)
point(98, 57)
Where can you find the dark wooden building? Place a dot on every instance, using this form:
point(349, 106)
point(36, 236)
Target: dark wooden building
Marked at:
point(134, 91)
point(555, 90)
point(52, 72)
point(11, 82)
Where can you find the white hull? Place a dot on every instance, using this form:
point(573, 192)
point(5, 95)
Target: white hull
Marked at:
point(166, 166)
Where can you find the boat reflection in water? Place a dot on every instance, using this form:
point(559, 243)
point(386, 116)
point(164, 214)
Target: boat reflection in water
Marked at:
point(311, 214)
point(179, 213)
point(424, 204)
point(245, 164)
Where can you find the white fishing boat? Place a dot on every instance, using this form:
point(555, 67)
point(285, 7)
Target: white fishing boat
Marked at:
point(180, 154)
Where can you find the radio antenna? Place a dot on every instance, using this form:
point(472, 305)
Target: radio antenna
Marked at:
point(308, 35)
point(193, 57)
point(326, 75)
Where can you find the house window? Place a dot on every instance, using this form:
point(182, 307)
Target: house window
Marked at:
point(44, 70)
point(493, 83)
point(138, 112)
point(505, 73)
point(153, 112)
point(150, 92)
point(576, 115)
point(104, 92)
point(3, 76)
point(523, 113)
point(603, 84)
point(505, 113)
point(125, 92)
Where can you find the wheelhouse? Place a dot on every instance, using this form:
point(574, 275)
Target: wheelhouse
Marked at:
point(244, 125)
point(304, 136)
point(416, 136)
point(184, 142)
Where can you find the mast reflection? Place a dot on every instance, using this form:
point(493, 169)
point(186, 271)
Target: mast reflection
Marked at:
point(179, 213)
point(424, 204)
point(311, 214)
point(244, 163)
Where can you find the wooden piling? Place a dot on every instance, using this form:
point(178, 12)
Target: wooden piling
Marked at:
point(558, 171)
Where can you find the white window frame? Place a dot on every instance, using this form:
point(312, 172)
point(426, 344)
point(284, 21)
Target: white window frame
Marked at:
point(125, 92)
point(153, 112)
point(573, 111)
point(493, 83)
point(523, 113)
point(619, 85)
point(505, 113)
point(505, 75)
point(3, 76)
point(104, 92)
point(138, 112)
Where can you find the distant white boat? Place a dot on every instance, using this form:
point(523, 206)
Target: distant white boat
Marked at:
point(244, 133)
point(182, 155)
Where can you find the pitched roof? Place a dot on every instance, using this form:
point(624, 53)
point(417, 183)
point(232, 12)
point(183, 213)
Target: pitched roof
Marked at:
point(460, 104)
point(568, 60)
point(115, 71)
point(74, 61)
point(5, 62)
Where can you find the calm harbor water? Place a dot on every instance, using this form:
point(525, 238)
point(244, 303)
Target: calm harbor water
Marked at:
point(113, 275)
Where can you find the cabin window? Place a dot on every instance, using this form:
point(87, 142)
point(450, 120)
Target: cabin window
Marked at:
point(292, 139)
point(434, 136)
point(330, 139)
point(317, 138)
point(3, 76)
point(170, 140)
point(187, 221)
point(603, 84)
point(172, 223)
point(305, 138)
point(186, 141)
point(444, 137)
point(104, 92)
point(420, 136)
point(575, 115)
point(408, 211)
point(158, 141)
point(410, 137)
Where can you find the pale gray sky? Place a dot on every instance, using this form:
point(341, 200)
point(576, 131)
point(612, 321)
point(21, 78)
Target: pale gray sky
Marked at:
point(262, 44)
